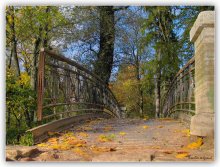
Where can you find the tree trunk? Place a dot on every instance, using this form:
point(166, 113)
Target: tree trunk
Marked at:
point(141, 110)
point(46, 28)
point(103, 65)
point(14, 41)
point(140, 92)
point(157, 85)
point(10, 59)
point(157, 95)
point(34, 63)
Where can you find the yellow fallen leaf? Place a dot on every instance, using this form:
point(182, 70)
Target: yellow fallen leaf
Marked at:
point(186, 131)
point(55, 147)
point(160, 126)
point(83, 134)
point(64, 147)
point(79, 151)
point(182, 155)
point(104, 138)
point(101, 149)
point(80, 145)
point(52, 140)
point(42, 145)
point(68, 134)
point(76, 142)
point(145, 126)
point(122, 133)
point(155, 147)
point(196, 144)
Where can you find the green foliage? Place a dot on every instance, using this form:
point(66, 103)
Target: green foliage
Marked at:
point(13, 135)
point(27, 139)
point(20, 105)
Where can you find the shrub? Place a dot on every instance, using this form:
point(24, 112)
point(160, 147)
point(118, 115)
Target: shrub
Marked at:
point(20, 105)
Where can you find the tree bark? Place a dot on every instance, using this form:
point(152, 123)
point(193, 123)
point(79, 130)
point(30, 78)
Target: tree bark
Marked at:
point(157, 85)
point(14, 41)
point(34, 62)
point(140, 92)
point(103, 65)
point(157, 95)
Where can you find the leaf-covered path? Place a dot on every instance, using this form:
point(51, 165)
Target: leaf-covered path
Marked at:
point(111, 140)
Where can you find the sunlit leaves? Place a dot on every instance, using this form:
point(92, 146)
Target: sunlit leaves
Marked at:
point(122, 133)
point(83, 134)
point(79, 151)
point(97, 149)
point(42, 145)
point(106, 138)
point(145, 127)
point(160, 126)
point(195, 145)
point(182, 155)
point(186, 132)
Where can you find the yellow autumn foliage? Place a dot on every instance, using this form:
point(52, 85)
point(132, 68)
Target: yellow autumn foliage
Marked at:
point(104, 138)
point(145, 127)
point(122, 133)
point(79, 151)
point(186, 131)
point(182, 155)
point(196, 144)
point(83, 134)
point(96, 149)
point(42, 145)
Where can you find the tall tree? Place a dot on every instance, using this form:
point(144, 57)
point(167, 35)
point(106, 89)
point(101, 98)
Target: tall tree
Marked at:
point(103, 64)
point(160, 25)
point(10, 18)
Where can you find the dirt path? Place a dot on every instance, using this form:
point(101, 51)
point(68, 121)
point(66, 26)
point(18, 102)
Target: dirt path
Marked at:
point(117, 140)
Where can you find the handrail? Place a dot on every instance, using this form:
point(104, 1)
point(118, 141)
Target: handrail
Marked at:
point(180, 91)
point(63, 83)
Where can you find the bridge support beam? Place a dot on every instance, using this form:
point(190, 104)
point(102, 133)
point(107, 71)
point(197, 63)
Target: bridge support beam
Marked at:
point(203, 35)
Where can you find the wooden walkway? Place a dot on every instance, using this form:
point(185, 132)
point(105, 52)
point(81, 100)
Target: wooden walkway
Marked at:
point(119, 140)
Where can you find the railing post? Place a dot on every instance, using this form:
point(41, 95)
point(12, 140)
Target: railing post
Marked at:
point(40, 86)
point(203, 34)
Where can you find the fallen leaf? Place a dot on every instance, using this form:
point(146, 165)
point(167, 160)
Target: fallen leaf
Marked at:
point(155, 147)
point(77, 142)
point(160, 126)
point(83, 134)
point(122, 133)
point(187, 132)
point(102, 149)
point(104, 138)
point(196, 144)
point(182, 155)
point(52, 140)
point(79, 151)
point(55, 147)
point(145, 126)
point(168, 152)
point(42, 145)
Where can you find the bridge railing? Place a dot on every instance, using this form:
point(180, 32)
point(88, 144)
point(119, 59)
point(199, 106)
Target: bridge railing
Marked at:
point(179, 96)
point(66, 89)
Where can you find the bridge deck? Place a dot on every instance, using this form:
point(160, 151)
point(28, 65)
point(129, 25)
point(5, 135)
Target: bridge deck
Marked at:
point(121, 140)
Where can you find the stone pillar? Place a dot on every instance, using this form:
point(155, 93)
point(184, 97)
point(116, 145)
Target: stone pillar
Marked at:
point(203, 36)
